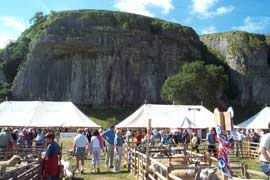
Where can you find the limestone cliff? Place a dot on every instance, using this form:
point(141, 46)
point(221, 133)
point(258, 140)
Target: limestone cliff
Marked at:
point(248, 57)
point(104, 58)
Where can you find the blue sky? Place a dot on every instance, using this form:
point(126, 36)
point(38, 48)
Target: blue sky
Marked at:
point(205, 16)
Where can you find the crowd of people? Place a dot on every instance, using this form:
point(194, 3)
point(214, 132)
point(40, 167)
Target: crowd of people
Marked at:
point(111, 141)
point(13, 138)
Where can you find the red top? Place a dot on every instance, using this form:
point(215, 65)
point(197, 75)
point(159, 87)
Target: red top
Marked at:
point(51, 160)
point(50, 166)
point(138, 137)
point(101, 142)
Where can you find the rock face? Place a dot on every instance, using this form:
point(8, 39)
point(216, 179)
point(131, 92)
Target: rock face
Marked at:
point(248, 57)
point(2, 77)
point(104, 58)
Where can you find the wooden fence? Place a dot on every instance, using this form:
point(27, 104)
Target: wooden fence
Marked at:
point(30, 167)
point(244, 150)
point(137, 161)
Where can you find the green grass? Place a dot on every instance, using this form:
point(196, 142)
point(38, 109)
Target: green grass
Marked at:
point(107, 117)
point(105, 174)
point(252, 164)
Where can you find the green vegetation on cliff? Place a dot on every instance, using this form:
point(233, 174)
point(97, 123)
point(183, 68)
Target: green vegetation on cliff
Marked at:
point(196, 83)
point(16, 52)
point(238, 41)
point(268, 39)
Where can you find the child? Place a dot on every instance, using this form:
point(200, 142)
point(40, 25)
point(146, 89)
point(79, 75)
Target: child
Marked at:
point(95, 150)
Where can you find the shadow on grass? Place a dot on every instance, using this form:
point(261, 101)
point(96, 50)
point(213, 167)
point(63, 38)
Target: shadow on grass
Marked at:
point(106, 173)
point(77, 178)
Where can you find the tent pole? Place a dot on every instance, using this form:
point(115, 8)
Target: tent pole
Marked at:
point(147, 147)
point(145, 101)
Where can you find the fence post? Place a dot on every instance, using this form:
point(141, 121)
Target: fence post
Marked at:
point(246, 175)
point(249, 150)
point(242, 169)
point(139, 165)
point(168, 172)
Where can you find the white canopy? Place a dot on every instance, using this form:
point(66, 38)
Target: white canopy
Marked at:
point(258, 121)
point(42, 114)
point(170, 116)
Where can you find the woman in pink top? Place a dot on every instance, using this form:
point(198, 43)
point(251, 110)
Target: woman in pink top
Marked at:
point(101, 140)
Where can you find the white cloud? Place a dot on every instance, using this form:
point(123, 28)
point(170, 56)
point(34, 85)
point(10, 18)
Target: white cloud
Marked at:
point(142, 6)
point(44, 6)
point(175, 21)
point(204, 8)
point(209, 30)
point(5, 38)
point(223, 10)
point(13, 22)
point(254, 24)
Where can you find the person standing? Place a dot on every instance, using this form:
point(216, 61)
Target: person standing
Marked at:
point(95, 151)
point(101, 141)
point(80, 149)
point(138, 138)
point(88, 134)
point(51, 169)
point(195, 142)
point(211, 142)
point(118, 149)
point(39, 140)
point(185, 138)
point(109, 136)
point(264, 150)
point(239, 138)
point(127, 136)
point(5, 141)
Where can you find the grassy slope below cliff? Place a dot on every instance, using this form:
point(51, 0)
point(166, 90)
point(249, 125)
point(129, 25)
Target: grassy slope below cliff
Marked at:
point(107, 116)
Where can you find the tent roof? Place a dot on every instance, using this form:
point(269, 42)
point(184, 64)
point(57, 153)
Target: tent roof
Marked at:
point(42, 114)
point(258, 121)
point(170, 116)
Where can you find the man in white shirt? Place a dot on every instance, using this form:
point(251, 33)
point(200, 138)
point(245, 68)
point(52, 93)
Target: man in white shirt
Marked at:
point(80, 149)
point(239, 138)
point(264, 151)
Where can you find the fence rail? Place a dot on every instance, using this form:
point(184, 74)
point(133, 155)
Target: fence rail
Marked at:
point(137, 161)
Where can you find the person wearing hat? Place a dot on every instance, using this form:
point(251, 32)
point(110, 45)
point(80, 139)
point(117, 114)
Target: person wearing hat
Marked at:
point(51, 169)
point(81, 145)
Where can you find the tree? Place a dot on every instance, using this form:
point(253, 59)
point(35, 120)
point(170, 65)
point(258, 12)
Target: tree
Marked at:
point(194, 83)
point(38, 18)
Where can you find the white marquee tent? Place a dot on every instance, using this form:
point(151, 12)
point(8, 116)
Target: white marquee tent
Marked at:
point(258, 121)
point(170, 116)
point(42, 114)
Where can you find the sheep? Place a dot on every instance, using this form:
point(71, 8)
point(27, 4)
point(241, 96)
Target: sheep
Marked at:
point(177, 159)
point(15, 159)
point(187, 173)
point(209, 174)
point(67, 172)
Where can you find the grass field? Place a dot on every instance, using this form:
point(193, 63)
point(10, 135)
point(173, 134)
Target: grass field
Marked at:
point(105, 173)
point(107, 117)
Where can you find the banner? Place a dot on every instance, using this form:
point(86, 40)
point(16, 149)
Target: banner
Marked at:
point(67, 135)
